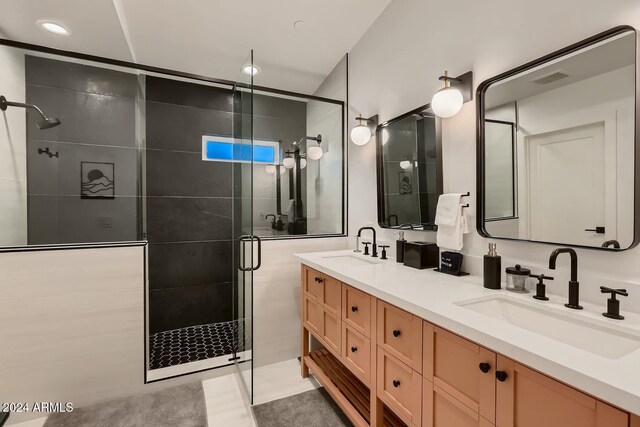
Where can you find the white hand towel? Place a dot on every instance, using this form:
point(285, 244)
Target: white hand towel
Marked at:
point(451, 222)
point(448, 209)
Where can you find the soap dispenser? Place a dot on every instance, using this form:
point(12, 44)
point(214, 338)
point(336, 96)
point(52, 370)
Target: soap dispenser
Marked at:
point(400, 247)
point(492, 268)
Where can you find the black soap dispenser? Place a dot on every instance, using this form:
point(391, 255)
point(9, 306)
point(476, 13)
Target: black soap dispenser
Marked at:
point(492, 268)
point(400, 247)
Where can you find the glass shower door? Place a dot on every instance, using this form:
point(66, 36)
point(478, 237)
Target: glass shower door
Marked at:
point(247, 245)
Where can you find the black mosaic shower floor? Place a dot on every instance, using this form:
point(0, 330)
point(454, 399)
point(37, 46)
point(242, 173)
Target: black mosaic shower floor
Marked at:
point(193, 343)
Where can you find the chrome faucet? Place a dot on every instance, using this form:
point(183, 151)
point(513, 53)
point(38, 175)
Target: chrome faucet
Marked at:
point(374, 250)
point(574, 285)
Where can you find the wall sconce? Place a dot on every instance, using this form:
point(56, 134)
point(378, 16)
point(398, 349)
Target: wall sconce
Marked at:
point(315, 152)
point(271, 169)
point(361, 133)
point(447, 102)
point(289, 162)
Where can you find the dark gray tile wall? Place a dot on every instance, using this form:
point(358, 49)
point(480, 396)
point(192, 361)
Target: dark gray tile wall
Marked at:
point(192, 227)
point(97, 110)
point(189, 206)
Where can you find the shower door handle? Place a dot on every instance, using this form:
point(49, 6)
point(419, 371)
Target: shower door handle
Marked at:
point(250, 238)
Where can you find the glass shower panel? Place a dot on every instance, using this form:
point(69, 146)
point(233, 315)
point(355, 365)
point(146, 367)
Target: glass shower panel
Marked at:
point(191, 177)
point(248, 245)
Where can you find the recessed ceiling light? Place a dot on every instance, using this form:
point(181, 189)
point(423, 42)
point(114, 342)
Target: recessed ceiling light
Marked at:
point(53, 27)
point(251, 70)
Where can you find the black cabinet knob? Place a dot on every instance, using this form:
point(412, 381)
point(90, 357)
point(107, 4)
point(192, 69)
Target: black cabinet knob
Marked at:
point(396, 383)
point(501, 376)
point(396, 333)
point(485, 367)
point(354, 308)
point(354, 349)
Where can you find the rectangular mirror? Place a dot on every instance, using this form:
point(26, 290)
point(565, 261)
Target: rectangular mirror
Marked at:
point(558, 148)
point(409, 170)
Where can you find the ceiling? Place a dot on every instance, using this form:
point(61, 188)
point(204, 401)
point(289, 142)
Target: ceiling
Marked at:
point(207, 37)
point(612, 54)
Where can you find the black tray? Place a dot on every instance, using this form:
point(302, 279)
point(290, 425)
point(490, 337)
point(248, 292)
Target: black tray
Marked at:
point(458, 274)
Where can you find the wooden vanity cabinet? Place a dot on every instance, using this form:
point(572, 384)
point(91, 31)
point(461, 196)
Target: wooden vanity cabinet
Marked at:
point(426, 375)
point(526, 398)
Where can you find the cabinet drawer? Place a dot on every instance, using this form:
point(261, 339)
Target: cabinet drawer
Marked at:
point(313, 316)
point(453, 365)
point(356, 353)
point(313, 284)
point(332, 332)
point(400, 388)
point(332, 294)
point(356, 310)
point(527, 398)
point(440, 409)
point(400, 333)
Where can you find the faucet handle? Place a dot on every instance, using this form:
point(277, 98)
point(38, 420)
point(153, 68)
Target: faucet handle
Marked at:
point(613, 305)
point(366, 247)
point(384, 251)
point(614, 292)
point(541, 277)
point(541, 287)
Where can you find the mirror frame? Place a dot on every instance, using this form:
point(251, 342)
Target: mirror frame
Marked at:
point(480, 149)
point(380, 163)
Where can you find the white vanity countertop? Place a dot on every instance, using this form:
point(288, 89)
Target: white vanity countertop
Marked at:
point(433, 297)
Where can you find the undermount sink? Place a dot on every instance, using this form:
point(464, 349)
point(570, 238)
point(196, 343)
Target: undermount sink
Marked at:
point(584, 333)
point(351, 260)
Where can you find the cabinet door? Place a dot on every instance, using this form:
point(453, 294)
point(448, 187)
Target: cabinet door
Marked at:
point(400, 333)
point(332, 295)
point(356, 310)
point(527, 398)
point(356, 353)
point(313, 316)
point(461, 369)
point(400, 388)
point(440, 409)
point(313, 284)
point(332, 332)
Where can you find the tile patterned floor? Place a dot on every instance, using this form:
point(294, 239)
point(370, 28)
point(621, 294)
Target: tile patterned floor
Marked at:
point(193, 343)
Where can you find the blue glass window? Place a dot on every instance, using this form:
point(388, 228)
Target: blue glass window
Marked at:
point(225, 149)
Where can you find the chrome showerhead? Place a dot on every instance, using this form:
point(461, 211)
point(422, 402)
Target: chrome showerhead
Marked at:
point(45, 123)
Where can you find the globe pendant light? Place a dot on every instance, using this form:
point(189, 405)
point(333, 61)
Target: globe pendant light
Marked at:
point(447, 102)
point(289, 162)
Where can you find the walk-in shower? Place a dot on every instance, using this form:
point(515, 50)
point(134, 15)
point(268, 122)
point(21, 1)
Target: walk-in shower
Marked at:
point(45, 123)
point(184, 167)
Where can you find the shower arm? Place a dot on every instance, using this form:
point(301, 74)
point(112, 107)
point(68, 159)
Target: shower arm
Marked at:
point(4, 104)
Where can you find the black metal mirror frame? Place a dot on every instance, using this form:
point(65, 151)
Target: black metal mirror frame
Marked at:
point(480, 133)
point(380, 161)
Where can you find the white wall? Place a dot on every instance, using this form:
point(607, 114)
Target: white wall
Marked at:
point(395, 67)
point(13, 151)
